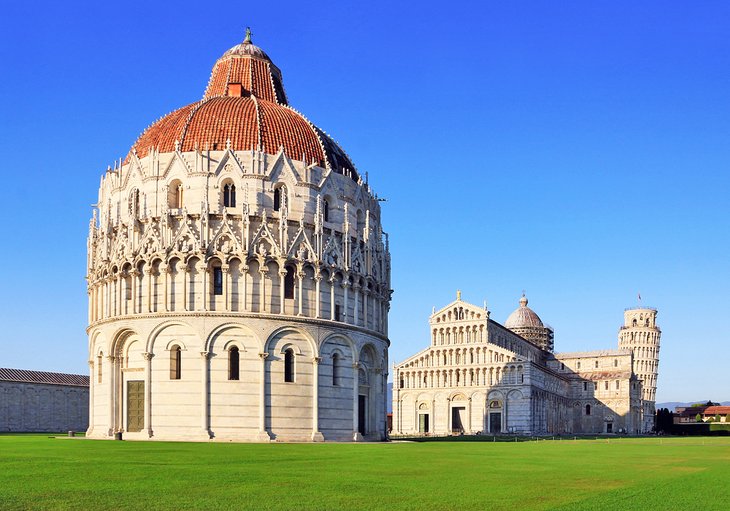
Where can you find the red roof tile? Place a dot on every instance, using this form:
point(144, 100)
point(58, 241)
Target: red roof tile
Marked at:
point(253, 116)
point(717, 410)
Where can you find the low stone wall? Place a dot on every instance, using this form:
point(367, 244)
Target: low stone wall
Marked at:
point(35, 407)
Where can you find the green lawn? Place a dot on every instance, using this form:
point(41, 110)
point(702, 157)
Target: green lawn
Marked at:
point(37, 472)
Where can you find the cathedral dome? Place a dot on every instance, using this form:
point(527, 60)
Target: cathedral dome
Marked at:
point(523, 317)
point(244, 107)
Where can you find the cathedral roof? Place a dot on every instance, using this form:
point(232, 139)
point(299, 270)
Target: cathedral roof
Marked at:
point(523, 317)
point(245, 106)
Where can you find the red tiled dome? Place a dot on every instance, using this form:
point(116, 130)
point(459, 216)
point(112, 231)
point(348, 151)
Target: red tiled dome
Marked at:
point(245, 103)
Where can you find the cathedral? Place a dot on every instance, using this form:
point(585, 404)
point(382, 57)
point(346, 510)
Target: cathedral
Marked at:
point(481, 377)
point(238, 276)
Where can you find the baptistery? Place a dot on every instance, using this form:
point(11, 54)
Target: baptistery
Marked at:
point(238, 276)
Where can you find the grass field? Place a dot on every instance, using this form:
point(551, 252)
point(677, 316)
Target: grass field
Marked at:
point(37, 472)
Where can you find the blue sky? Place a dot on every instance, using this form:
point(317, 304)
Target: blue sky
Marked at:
point(577, 150)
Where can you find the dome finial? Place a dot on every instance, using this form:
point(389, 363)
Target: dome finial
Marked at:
point(458, 294)
point(523, 300)
point(247, 39)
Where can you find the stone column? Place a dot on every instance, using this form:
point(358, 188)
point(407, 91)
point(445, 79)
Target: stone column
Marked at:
point(120, 295)
point(300, 277)
point(504, 415)
point(282, 306)
point(112, 396)
point(92, 389)
point(243, 271)
point(356, 436)
point(262, 289)
point(433, 415)
point(226, 286)
point(108, 297)
point(365, 295)
point(148, 280)
point(186, 277)
point(468, 417)
point(148, 393)
point(449, 413)
point(356, 312)
point(205, 294)
point(376, 318)
point(318, 298)
point(317, 436)
point(90, 309)
point(205, 394)
point(332, 298)
point(263, 435)
point(135, 290)
point(165, 272)
point(345, 303)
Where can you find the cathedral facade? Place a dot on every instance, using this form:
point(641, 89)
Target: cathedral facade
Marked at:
point(478, 376)
point(238, 276)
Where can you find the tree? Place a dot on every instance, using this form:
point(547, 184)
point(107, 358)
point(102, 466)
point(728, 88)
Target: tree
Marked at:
point(664, 420)
point(717, 417)
point(698, 417)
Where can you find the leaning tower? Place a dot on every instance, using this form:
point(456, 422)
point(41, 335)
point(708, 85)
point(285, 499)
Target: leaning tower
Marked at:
point(641, 335)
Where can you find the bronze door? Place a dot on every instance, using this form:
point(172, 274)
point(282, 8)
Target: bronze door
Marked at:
point(135, 405)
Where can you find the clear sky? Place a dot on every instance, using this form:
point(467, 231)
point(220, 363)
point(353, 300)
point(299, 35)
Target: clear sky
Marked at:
point(577, 150)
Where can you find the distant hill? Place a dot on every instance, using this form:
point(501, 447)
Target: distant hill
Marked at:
point(674, 404)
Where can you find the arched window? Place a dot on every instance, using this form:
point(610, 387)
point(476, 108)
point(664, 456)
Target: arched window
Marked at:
point(615, 362)
point(127, 284)
point(134, 203)
point(633, 323)
point(99, 360)
point(646, 323)
point(175, 363)
point(289, 366)
point(336, 368)
point(596, 363)
point(577, 365)
point(326, 210)
point(229, 195)
point(217, 280)
point(175, 195)
point(233, 363)
point(289, 283)
point(280, 198)
point(588, 409)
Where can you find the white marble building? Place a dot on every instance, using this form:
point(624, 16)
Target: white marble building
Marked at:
point(478, 376)
point(238, 276)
